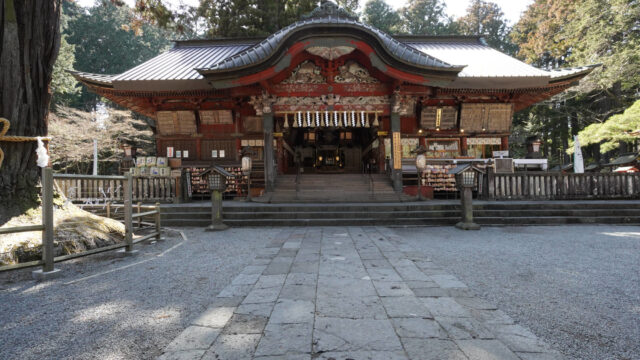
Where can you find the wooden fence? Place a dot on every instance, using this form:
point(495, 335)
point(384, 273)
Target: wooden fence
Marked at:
point(48, 228)
point(100, 189)
point(560, 186)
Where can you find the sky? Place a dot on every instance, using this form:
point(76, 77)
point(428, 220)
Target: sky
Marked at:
point(456, 8)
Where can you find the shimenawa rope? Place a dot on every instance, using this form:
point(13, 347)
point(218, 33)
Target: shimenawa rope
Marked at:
point(11, 138)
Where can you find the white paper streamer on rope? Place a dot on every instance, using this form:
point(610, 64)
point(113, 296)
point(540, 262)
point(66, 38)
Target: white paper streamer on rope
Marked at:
point(317, 118)
point(353, 118)
point(326, 118)
point(41, 151)
point(308, 118)
point(376, 123)
point(298, 120)
point(335, 118)
point(286, 121)
point(344, 119)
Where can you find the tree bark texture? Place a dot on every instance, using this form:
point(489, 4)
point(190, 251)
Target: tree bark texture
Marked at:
point(30, 33)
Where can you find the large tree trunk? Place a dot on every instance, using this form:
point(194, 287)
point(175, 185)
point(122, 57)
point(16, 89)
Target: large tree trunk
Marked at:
point(30, 33)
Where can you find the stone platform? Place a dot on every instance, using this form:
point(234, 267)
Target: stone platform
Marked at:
point(350, 293)
point(421, 213)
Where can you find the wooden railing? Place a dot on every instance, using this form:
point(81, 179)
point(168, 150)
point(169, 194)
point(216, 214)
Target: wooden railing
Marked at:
point(100, 189)
point(560, 186)
point(48, 228)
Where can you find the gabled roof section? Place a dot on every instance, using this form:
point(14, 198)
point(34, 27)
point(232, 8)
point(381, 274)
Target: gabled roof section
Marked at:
point(328, 20)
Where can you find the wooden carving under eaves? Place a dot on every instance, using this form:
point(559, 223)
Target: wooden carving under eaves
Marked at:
point(262, 103)
point(330, 53)
point(353, 72)
point(448, 117)
point(486, 117)
point(306, 73)
point(403, 104)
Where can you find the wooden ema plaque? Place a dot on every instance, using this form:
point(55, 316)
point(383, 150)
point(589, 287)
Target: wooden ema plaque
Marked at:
point(397, 151)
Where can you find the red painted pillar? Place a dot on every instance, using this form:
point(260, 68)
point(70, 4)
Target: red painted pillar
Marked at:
point(463, 146)
point(504, 143)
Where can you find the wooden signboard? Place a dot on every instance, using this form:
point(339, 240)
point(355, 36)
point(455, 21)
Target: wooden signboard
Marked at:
point(176, 122)
point(165, 122)
point(252, 124)
point(486, 117)
point(216, 117)
point(397, 151)
point(443, 117)
point(186, 122)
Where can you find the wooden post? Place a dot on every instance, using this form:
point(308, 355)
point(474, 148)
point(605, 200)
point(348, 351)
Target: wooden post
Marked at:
point(269, 161)
point(139, 218)
point(128, 209)
point(48, 271)
point(158, 227)
point(396, 152)
point(47, 219)
point(108, 209)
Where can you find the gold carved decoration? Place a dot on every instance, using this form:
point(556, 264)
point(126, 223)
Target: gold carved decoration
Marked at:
point(306, 73)
point(330, 53)
point(353, 72)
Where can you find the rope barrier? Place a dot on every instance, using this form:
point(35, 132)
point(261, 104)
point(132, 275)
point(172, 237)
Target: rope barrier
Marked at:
point(11, 138)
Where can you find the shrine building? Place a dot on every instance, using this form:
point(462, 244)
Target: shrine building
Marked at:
point(332, 95)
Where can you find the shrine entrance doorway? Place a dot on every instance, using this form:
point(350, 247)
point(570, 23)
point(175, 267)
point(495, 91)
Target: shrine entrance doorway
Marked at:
point(331, 150)
point(333, 142)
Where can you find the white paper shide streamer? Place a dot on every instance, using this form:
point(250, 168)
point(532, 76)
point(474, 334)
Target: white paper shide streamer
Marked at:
point(41, 151)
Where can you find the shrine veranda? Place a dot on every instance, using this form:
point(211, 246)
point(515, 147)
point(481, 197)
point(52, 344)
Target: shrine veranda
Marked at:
point(331, 95)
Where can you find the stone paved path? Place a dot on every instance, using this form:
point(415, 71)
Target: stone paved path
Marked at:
point(355, 293)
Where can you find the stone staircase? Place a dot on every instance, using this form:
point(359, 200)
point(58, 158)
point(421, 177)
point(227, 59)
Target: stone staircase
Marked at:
point(426, 213)
point(333, 188)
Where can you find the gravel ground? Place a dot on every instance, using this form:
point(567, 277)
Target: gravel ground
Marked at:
point(113, 307)
point(576, 287)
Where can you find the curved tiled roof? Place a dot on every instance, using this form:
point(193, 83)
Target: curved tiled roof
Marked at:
point(265, 49)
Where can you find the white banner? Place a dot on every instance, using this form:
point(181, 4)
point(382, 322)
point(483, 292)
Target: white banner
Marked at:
point(578, 162)
point(483, 141)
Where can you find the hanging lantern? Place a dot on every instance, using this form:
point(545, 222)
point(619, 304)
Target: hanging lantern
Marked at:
point(286, 120)
point(376, 123)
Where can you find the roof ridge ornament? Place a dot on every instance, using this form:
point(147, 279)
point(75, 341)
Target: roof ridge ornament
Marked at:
point(328, 8)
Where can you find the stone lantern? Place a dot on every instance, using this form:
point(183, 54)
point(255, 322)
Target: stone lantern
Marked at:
point(217, 182)
point(466, 177)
